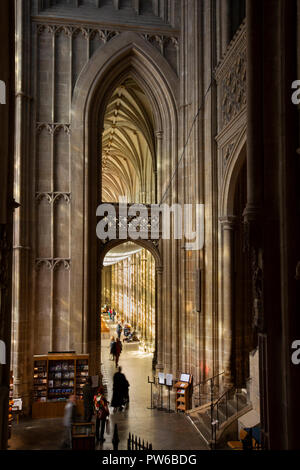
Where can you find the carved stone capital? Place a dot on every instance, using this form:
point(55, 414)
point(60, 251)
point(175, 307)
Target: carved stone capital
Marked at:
point(53, 128)
point(53, 263)
point(53, 197)
point(228, 222)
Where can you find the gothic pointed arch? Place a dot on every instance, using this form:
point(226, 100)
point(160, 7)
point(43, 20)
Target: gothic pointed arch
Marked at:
point(235, 162)
point(127, 55)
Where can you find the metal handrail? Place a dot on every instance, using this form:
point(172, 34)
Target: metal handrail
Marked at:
point(211, 380)
point(215, 423)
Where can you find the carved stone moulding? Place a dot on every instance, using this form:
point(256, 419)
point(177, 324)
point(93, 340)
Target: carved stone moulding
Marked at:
point(233, 89)
point(160, 41)
point(53, 263)
point(231, 79)
point(53, 197)
point(227, 151)
point(74, 30)
point(53, 128)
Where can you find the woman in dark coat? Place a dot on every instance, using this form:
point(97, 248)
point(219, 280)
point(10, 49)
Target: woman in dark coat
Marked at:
point(120, 390)
point(117, 350)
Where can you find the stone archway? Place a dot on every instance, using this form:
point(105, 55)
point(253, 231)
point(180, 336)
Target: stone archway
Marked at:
point(228, 220)
point(136, 296)
point(126, 55)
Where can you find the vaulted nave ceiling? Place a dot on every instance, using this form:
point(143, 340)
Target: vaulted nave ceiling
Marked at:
point(128, 146)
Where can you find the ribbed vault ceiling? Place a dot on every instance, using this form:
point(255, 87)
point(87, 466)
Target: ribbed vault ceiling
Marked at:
point(121, 252)
point(128, 146)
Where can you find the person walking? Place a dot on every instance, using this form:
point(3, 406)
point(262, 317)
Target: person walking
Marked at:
point(119, 329)
point(88, 400)
point(120, 390)
point(112, 348)
point(114, 313)
point(102, 413)
point(69, 419)
point(117, 350)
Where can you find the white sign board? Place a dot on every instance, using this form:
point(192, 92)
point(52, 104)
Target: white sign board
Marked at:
point(161, 378)
point(185, 378)
point(169, 380)
point(17, 406)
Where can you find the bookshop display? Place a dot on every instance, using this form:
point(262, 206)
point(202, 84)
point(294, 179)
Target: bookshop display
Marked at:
point(184, 390)
point(55, 378)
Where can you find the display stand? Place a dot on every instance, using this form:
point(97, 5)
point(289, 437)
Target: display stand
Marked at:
point(55, 378)
point(184, 389)
point(151, 407)
point(169, 399)
point(161, 384)
point(161, 396)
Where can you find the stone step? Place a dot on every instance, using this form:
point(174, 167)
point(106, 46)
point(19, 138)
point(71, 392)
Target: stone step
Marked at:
point(202, 419)
point(201, 427)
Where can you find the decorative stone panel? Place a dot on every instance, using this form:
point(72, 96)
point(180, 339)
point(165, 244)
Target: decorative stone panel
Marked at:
point(231, 80)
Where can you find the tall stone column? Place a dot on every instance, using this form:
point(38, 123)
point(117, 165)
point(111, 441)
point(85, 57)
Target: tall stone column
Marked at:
point(254, 115)
point(23, 343)
point(225, 25)
point(228, 226)
point(159, 319)
point(159, 137)
point(7, 72)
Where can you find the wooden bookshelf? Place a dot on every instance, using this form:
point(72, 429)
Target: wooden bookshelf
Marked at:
point(184, 390)
point(55, 378)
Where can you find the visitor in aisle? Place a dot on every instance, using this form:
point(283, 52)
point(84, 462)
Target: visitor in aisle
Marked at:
point(120, 390)
point(118, 350)
point(114, 313)
point(88, 400)
point(102, 413)
point(69, 419)
point(119, 329)
point(112, 348)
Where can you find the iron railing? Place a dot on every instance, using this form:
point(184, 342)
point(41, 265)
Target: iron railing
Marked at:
point(215, 410)
point(206, 390)
point(134, 443)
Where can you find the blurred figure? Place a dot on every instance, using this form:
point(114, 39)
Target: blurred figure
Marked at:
point(114, 313)
point(112, 348)
point(119, 329)
point(69, 419)
point(88, 400)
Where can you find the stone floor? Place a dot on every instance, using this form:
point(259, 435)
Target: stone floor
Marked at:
point(168, 431)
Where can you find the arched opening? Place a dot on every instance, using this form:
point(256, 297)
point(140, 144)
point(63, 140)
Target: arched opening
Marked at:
point(128, 289)
point(129, 60)
point(236, 283)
